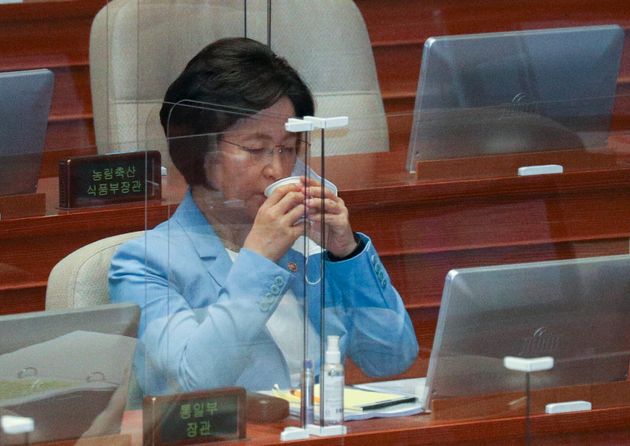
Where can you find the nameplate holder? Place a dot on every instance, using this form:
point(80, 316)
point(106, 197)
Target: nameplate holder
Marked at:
point(99, 180)
point(195, 417)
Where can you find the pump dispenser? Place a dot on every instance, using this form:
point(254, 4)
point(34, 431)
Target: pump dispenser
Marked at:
point(333, 383)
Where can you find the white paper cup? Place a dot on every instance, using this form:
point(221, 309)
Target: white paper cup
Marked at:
point(294, 180)
point(281, 182)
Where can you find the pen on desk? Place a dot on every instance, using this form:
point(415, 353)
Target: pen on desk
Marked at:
point(386, 403)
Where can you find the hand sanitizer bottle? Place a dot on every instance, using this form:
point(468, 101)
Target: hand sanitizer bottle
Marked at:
point(333, 383)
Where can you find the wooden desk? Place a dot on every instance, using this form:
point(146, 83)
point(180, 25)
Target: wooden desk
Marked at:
point(597, 427)
point(30, 247)
point(422, 229)
point(604, 425)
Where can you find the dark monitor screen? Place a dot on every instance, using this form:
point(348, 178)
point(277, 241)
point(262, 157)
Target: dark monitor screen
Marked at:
point(507, 92)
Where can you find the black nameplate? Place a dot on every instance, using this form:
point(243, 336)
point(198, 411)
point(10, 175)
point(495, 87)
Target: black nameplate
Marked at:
point(107, 179)
point(195, 417)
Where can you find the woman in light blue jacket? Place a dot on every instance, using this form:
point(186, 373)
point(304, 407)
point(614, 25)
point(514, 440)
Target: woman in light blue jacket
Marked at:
point(221, 283)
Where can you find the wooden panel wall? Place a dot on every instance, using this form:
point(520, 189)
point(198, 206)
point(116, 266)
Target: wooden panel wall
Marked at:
point(56, 35)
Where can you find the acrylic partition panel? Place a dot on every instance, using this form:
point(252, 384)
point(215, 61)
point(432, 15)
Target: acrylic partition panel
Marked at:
point(525, 89)
point(505, 140)
point(567, 314)
point(265, 289)
point(452, 213)
point(461, 208)
point(587, 338)
point(65, 372)
point(232, 257)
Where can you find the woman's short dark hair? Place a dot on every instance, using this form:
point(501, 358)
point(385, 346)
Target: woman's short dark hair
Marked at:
point(235, 72)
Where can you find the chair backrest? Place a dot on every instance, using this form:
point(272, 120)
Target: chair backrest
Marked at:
point(138, 47)
point(80, 278)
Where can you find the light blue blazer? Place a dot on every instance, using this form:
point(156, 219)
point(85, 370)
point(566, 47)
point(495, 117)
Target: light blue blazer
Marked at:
point(203, 322)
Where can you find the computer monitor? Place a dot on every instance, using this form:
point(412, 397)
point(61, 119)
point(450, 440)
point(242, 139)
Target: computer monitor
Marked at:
point(576, 311)
point(68, 370)
point(25, 98)
point(507, 92)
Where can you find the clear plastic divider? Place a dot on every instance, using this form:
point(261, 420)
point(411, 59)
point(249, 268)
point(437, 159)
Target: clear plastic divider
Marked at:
point(462, 271)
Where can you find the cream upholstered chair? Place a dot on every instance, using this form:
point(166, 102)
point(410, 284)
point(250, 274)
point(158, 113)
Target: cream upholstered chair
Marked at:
point(80, 278)
point(138, 47)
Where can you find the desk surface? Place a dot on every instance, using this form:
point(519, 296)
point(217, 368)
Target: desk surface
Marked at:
point(438, 225)
point(503, 424)
point(597, 427)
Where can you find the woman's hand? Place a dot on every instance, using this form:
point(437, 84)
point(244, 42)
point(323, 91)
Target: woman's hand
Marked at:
point(275, 230)
point(340, 240)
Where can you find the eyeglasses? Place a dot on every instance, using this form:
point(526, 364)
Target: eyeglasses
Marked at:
point(265, 154)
